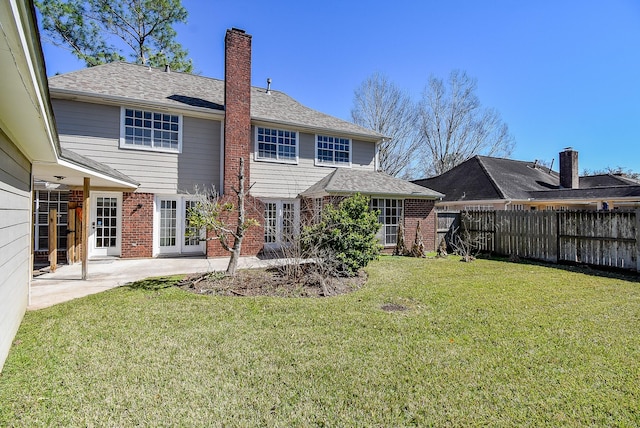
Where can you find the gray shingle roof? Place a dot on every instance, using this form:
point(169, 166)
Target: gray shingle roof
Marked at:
point(629, 191)
point(488, 178)
point(349, 181)
point(602, 180)
point(138, 83)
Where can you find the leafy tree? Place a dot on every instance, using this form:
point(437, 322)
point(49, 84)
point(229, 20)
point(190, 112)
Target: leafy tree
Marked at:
point(145, 27)
point(454, 126)
point(347, 233)
point(380, 105)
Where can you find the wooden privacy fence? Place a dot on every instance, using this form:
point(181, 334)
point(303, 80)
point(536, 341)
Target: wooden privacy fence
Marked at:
point(600, 238)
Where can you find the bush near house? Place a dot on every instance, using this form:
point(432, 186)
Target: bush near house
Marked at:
point(347, 233)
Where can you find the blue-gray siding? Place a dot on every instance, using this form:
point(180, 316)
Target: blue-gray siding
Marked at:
point(15, 241)
point(280, 180)
point(93, 130)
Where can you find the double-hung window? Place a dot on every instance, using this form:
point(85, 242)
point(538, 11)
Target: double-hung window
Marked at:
point(390, 216)
point(277, 145)
point(149, 130)
point(333, 151)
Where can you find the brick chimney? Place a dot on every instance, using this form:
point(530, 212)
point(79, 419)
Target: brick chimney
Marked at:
point(237, 102)
point(569, 178)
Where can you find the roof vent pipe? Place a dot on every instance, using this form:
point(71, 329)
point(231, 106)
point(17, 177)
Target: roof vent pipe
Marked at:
point(167, 69)
point(268, 85)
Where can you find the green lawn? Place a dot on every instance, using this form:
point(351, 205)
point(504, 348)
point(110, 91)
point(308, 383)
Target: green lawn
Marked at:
point(486, 343)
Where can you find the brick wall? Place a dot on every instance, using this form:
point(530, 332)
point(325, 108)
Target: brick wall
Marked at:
point(420, 210)
point(253, 241)
point(237, 100)
point(77, 197)
point(137, 225)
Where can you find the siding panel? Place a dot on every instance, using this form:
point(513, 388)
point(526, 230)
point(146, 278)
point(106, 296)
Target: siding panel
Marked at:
point(93, 130)
point(277, 180)
point(15, 244)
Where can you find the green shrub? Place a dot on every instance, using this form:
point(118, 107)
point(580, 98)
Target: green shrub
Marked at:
point(346, 235)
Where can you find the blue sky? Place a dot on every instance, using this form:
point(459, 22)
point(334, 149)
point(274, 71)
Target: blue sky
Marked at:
point(561, 73)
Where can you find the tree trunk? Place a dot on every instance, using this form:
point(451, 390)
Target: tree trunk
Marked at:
point(232, 268)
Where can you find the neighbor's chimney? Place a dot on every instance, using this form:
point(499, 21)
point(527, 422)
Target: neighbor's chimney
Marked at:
point(237, 105)
point(569, 169)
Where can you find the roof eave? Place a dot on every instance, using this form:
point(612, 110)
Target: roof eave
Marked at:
point(359, 136)
point(74, 95)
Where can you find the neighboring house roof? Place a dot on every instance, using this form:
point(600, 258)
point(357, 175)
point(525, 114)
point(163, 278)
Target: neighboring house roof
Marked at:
point(344, 181)
point(603, 180)
point(488, 178)
point(612, 192)
point(120, 81)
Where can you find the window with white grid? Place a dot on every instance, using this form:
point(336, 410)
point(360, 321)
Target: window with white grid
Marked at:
point(333, 151)
point(148, 130)
point(278, 145)
point(390, 216)
point(281, 220)
point(45, 200)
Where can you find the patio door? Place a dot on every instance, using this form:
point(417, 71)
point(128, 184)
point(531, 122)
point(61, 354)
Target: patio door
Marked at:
point(106, 218)
point(172, 231)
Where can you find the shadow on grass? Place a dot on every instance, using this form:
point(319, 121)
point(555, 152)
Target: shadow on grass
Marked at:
point(600, 271)
point(157, 283)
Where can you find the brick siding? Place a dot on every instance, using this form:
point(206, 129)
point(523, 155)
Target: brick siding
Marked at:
point(237, 99)
point(420, 210)
point(137, 225)
point(253, 241)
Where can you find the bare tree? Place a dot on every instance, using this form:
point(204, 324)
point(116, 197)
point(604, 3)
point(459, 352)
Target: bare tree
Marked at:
point(619, 170)
point(454, 126)
point(381, 106)
point(216, 215)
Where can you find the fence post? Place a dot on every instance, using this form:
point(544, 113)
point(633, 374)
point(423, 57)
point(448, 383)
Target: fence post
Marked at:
point(557, 237)
point(637, 239)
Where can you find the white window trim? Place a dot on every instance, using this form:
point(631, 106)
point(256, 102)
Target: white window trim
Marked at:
point(180, 249)
point(334, 164)
point(124, 145)
point(382, 236)
point(256, 155)
point(279, 221)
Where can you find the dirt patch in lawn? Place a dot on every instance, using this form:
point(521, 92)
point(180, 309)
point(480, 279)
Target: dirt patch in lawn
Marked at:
point(270, 282)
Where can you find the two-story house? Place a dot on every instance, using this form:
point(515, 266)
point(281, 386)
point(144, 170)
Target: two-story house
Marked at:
point(172, 132)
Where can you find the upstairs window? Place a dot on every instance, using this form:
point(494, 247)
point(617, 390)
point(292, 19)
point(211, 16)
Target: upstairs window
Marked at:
point(333, 151)
point(150, 130)
point(276, 145)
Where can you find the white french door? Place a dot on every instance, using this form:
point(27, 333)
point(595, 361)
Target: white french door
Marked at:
point(281, 222)
point(106, 218)
point(171, 229)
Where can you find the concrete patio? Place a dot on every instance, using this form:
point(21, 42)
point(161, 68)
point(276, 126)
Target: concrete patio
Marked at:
point(66, 284)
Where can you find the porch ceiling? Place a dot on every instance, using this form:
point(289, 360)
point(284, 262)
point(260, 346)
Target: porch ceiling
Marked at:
point(71, 173)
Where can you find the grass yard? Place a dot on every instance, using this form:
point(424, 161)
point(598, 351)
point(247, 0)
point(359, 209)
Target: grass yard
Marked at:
point(486, 343)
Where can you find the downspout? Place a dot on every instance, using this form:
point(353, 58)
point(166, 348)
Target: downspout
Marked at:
point(506, 204)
